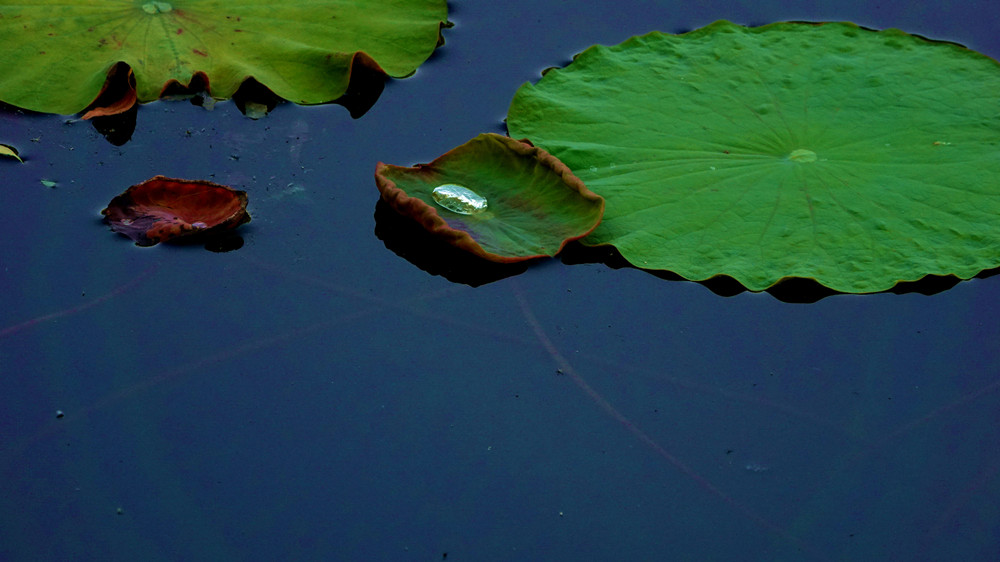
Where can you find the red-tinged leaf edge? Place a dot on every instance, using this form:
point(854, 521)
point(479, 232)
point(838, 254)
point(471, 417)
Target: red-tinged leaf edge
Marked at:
point(161, 209)
point(448, 168)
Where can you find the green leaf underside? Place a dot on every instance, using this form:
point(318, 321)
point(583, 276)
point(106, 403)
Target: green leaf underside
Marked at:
point(60, 51)
point(824, 151)
point(534, 203)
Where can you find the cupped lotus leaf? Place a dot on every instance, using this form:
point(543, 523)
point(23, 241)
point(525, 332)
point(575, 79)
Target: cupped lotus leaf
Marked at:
point(496, 197)
point(853, 157)
point(58, 53)
point(161, 209)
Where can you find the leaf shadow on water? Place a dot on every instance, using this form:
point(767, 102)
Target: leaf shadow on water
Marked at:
point(790, 290)
point(253, 99)
point(412, 242)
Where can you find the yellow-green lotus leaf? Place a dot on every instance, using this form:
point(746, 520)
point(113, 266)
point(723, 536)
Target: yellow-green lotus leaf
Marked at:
point(57, 53)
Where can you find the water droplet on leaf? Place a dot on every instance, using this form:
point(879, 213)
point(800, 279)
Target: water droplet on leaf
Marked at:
point(458, 199)
point(156, 7)
point(802, 155)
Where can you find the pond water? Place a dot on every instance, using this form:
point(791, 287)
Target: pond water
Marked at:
point(314, 395)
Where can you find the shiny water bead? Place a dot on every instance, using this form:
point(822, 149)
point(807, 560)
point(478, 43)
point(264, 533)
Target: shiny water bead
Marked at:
point(458, 199)
point(157, 7)
point(802, 155)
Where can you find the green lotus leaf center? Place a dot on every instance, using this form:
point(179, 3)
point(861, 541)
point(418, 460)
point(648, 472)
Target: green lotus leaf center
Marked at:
point(802, 155)
point(157, 7)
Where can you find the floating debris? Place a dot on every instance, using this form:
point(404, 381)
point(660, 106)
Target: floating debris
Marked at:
point(8, 150)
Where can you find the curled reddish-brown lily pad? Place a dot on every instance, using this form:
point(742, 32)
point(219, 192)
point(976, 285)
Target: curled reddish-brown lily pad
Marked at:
point(499, 198)
point(162, 208)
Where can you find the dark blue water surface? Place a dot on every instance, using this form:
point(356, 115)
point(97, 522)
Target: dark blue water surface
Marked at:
point(315, 396)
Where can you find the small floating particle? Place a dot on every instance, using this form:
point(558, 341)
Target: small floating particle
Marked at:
point(255, 110)
point(802, 155)
point(59, 414)
point(459, 199)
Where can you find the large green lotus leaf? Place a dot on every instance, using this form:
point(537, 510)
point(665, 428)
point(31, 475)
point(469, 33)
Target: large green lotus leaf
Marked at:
point(57, 53)
point(826, 151)
point(531, 204)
